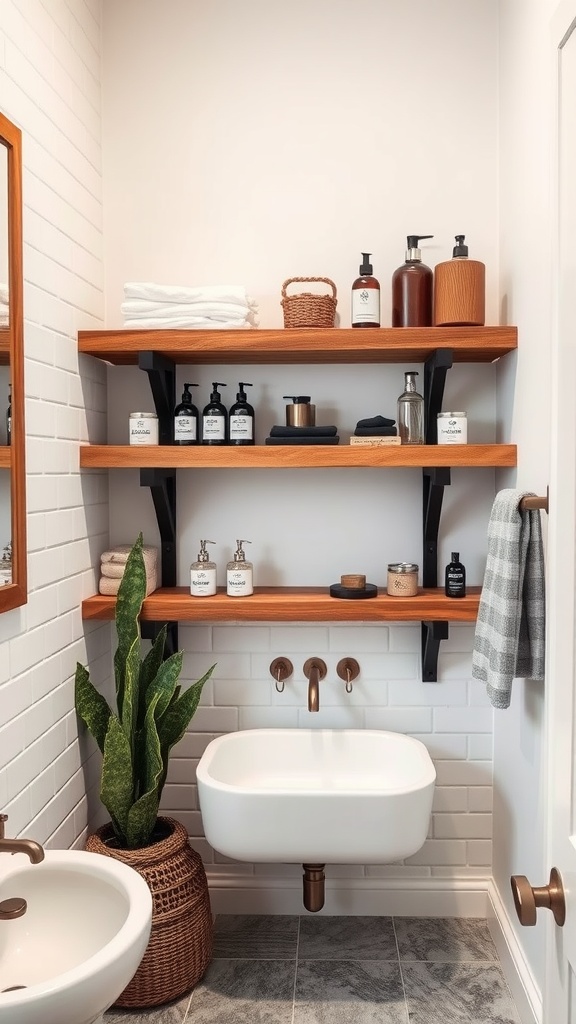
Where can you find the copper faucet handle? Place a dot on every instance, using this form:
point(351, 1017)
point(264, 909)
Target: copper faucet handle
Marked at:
point(317, 663)
point(348, 669)
point(3, 818)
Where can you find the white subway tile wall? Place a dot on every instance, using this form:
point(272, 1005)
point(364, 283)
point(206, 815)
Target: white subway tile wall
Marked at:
point(451, 717)
point(50, 87)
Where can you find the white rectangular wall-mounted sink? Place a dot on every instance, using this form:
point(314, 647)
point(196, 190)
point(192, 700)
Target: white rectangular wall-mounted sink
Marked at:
point(316, 795)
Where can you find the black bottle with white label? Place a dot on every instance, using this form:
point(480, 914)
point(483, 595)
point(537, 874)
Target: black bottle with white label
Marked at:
point(241, 422)
point(215, 418)
point(455, 577)
point(186, 419)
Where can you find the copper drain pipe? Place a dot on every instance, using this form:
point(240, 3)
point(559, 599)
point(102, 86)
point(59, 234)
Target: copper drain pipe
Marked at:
point(313, 886)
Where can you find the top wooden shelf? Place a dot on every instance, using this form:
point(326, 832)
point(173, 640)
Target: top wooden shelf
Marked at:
point(307, 345)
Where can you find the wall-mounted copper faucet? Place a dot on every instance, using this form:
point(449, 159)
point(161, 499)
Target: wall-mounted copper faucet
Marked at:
point(32, 850)
point(314, 670)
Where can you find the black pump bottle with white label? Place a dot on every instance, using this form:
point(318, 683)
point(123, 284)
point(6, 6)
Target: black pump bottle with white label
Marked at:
point(241, 422)
point(215, 418)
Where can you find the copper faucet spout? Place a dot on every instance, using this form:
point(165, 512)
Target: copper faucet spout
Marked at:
point(32, 850)
point(314, 670)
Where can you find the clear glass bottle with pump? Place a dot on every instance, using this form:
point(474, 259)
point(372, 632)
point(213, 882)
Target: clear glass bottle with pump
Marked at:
point(411, 411)
point(203, 573)
point(239, 573)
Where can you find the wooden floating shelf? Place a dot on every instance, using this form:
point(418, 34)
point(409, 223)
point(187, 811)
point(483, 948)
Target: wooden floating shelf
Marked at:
point(292, 604)
point(294, 456)
point(5, 457)
point(307, 345)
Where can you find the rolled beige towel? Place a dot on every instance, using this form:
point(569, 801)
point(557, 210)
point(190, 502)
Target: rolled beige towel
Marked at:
point(118, 556)
point(110, 587)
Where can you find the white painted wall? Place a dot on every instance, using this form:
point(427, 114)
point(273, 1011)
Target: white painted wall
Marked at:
point(50, 87)
point(526, 114)
point(255, 142)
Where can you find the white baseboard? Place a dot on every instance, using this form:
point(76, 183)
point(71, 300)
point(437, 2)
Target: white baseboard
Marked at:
point(422, 897)
point(517, 971)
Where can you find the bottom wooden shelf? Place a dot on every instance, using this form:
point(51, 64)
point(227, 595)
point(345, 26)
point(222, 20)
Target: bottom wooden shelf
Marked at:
point(292, 604)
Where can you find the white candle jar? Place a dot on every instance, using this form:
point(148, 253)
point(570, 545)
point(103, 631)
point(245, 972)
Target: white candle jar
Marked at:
point(143, 428)
point(452, 428)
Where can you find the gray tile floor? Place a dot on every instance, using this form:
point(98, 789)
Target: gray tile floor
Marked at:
point(343, 970)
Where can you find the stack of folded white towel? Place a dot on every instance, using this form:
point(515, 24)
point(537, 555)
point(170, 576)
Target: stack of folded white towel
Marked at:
point(148, 305)
point(113, 564)
point(4, 319)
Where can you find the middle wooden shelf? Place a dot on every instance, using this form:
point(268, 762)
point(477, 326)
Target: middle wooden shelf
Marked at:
point(294, 456)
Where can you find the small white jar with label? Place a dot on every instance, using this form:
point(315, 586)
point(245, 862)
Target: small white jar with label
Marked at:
point(452, 428)
point(143, 428)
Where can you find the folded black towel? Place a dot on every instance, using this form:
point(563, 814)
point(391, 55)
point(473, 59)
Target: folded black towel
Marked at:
point(303, 431)
point(302, 440)
point(376, 421)
point(375, 432)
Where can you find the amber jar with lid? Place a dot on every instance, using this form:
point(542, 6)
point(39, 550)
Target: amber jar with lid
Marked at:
point(402, 579)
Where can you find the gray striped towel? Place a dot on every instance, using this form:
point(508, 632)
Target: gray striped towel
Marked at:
point(510, 641)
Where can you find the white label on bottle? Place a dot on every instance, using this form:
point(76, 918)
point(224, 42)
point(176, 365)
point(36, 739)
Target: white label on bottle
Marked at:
point(184, 428)
point(214, 428)
point(366, 306)
point(239, 582)
point(202, 582)
point(241, 428)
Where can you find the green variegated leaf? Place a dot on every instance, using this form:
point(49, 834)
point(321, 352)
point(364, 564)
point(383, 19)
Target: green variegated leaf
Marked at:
point(91, 706)
point(116, 783)
point(150, 667)
point(164, 684)
point(142, 815)
point(131, 594)
point(129, 710)
point(175, 721)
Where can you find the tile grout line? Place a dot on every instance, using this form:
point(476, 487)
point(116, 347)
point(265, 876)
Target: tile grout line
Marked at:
point(295, 971)
point(401, 972)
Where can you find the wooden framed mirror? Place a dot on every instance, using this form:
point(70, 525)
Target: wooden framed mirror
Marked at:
point(13, 588)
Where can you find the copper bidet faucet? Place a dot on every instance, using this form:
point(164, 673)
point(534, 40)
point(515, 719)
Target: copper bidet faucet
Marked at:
point(16, 906)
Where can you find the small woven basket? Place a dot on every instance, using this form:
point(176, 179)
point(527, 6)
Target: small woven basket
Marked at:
point(180, 946)
point(306, 309)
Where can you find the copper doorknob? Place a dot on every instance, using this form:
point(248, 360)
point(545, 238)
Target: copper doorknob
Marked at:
point(528, 898)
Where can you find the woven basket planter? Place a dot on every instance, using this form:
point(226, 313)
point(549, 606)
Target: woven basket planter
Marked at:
point(306, 309)
point(180, 945)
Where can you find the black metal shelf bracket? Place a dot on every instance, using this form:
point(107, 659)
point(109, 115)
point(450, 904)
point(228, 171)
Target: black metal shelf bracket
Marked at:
point(434, 480)
point(162, 482)
point(432, 634)
point(162, 376)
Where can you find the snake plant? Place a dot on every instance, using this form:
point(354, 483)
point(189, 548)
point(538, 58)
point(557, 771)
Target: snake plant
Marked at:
point(151, 715)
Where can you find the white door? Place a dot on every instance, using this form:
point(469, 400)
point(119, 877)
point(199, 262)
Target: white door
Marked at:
point(560, 987)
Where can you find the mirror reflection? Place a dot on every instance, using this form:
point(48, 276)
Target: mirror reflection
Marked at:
point(13, 588)
point(5, 527)
point(4, 317)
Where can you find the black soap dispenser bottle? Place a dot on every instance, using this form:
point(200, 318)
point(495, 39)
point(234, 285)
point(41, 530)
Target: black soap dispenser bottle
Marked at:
point(455, 577)
point(186, 419)
point(366, 296)
point(412, 288)
point(215, 418)
point(241, 423)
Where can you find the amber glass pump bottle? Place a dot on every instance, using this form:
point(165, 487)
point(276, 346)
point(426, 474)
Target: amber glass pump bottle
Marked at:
point(412, 289)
